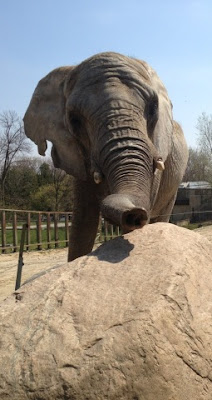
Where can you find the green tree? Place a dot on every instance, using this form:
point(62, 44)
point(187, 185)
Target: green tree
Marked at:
point(43, 198)
point(45, 175)
point(55, 196)
point(63, 189)
point(21, 182)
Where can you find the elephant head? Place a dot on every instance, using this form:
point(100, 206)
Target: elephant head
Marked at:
point(110, 122)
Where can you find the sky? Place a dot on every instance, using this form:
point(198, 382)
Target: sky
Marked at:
point(174, 37)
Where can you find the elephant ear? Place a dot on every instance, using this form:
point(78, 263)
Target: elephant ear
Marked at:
point(158, 109)
point(44, 120)
point(163, 130)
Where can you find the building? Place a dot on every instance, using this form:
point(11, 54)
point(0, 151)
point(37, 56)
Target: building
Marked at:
point(193, 202)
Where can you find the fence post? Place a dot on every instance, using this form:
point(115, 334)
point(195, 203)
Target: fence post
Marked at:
point(105, 231)
point(66, 229)
point(15, 241)
point(112, 232)
point(117, 230)
point(3, 231)
point(56, 230)
point(28, 230)
point(20, 259)
point(39, 239)
point(100, 227)
point(48, 227)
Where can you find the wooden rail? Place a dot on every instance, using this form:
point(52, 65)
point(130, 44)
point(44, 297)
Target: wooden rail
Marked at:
point(44, 230)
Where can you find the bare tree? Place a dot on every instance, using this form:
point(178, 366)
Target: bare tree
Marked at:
point(204, 127)
point(199, 167)
point(13, 142)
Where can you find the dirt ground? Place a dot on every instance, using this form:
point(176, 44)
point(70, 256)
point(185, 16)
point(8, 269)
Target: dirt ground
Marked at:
point(35, 262)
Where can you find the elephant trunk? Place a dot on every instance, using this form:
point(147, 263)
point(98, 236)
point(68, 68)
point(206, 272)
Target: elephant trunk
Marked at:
point(127, 164)
point(120, 210)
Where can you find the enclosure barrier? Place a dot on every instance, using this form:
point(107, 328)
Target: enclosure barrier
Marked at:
point(47, 230)
point(44, 230)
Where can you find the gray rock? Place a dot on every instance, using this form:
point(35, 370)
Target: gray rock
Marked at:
point(132, 320)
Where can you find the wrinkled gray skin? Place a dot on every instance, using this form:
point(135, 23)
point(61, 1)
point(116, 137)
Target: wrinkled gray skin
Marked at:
point(110, 121)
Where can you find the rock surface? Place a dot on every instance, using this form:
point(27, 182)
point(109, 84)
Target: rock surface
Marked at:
point(132, 320)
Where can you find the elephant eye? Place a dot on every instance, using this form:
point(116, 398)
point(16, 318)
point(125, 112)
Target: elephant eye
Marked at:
point(152, 114)
point(153, 107)
point(75, 123)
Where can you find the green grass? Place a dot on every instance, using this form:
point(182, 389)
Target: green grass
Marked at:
point(198, 225)
point(192, 226)
point(44, 245)
point(33, 239)
point(106, 232)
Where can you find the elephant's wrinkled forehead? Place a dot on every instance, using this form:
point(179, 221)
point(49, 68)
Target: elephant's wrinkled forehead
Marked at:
point(105, 77)
point(110, 66)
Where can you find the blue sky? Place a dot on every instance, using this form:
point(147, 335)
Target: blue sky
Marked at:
point(174, 37)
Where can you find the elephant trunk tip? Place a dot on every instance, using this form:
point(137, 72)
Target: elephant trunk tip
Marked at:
point(121, 210)
point(134, 219)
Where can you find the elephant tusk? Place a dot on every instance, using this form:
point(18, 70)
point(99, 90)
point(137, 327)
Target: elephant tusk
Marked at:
point(160, 165)
point(97, 177)
point(42, 146)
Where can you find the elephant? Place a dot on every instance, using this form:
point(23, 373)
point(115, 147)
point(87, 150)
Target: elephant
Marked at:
point(110, 122)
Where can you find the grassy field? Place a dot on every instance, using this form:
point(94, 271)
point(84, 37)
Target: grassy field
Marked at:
point(60, 242)
point(34, 240)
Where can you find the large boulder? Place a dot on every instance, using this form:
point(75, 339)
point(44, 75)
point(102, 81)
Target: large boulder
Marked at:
point(132, 320)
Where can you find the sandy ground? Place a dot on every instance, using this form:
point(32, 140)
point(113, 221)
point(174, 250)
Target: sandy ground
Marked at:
point(35, 262)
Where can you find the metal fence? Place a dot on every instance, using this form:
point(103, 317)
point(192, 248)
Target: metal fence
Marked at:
point(44, 230)
point(47, 230)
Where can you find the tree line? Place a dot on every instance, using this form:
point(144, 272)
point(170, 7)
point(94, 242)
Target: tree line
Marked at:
point(27, 182)
point(199, 167)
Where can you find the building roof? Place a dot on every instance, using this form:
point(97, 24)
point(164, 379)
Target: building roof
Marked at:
point(195, 185)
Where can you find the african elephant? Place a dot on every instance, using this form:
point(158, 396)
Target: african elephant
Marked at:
point(110, 122)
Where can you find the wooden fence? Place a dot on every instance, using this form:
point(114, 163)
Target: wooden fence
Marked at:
point(44, 230)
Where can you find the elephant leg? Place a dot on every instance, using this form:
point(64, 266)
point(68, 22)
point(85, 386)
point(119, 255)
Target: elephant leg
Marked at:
point(85, 220)
point(175, 166)
point(165, 212)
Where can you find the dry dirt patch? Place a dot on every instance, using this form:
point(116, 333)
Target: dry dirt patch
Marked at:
point(37, 261)
point(34, 262)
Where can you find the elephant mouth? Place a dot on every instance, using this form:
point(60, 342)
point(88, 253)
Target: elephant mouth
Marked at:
point(120, 210)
